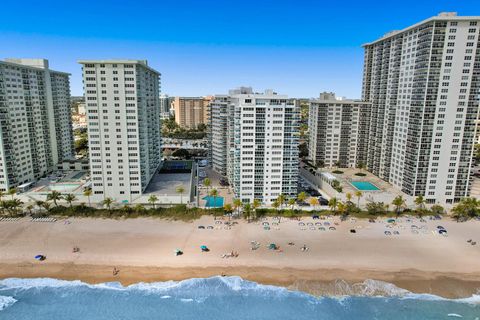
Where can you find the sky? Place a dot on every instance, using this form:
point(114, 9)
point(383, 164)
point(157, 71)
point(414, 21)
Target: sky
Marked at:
point(204, 47)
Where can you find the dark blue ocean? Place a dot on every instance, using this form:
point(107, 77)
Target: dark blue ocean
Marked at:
point(212, 298)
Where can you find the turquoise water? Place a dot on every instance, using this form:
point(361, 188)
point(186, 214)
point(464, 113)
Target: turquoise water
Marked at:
point(364, 185)
point(210, 299)
point(211, 202)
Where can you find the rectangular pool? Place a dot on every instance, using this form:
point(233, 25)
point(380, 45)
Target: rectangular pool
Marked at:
point(213, 202)
point(364, 186)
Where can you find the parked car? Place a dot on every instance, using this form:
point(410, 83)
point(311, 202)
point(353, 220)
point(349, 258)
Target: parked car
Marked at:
point(322, 201)
point(302, 204)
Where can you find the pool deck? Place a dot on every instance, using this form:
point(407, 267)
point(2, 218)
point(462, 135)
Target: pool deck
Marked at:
point(386, 192)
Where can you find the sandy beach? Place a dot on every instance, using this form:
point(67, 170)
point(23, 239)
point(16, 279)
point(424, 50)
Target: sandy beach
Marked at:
point(337, 261)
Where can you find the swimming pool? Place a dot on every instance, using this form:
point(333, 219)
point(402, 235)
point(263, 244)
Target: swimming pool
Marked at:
point(364, 185)
point(62, 187)
point(211, 202)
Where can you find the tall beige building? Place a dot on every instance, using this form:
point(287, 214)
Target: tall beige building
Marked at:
point(191, 111)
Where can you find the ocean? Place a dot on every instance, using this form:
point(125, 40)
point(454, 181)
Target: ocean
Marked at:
point(212, 298)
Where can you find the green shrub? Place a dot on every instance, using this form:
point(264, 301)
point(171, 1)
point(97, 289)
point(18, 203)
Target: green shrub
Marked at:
point(360, 174)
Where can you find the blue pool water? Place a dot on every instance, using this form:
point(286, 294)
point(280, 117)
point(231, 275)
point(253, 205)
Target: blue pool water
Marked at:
point(364, 185)
point(211, 202)
point(210, 299)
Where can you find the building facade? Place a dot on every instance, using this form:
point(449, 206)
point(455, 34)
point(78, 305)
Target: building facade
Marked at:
point(423, 83)
point(338, 132)
point(217, 131)
point(123, 115)
point(36, 126)
point(190, 112)
point(165, 106)
point(255, 143)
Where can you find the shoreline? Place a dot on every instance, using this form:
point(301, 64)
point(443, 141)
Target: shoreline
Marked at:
point(318, 282)
point(337, 262)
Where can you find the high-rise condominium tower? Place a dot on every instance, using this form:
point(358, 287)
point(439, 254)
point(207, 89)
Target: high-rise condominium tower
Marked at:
point(338, 131)
point(218, 121)
point(35, 121)
point(424, 83)
point(255, 143)
point(123, 110)
point(190, 112)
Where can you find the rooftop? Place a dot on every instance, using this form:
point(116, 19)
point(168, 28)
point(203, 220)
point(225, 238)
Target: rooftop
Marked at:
point(442, 16)
point(120, 61)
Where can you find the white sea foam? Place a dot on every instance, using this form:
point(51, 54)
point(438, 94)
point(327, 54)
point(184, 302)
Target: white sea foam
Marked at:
point(343, 290)
point(6, 302)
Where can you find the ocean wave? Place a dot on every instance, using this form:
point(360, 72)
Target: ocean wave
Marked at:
point(202, 287)
point(6, 302)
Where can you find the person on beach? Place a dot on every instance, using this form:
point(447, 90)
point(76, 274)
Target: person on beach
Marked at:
point(115, 271)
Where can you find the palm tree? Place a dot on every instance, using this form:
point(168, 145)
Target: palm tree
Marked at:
point(139, 208)
point(420, 202)
point(153, 200)
point(46, 206)
point(30, 209)
point(361, 166)
point(281, 200)
point(207, 183)
point(314, 202)
point(6, 206)
point(214, 194)
point(341, 208)
point(358, 194)
point(39, 204)
point(228, 208)
point(180, 190)
point(291, 202)
point(70, 198)
point(237, 204)
point(247, 210)
point(275, 204)
point(15, 204)
point(54, 196)
point(399, 203)
point(88, 193)
point(348, 196)
point(11, 192)
point(256, 204)
point(2, 194)
point(467, 207)
point(107, 202)
point(302, 196)
point(332, 203)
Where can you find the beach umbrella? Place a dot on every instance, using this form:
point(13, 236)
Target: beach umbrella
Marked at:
point(391, 220)
point(204, 248)
point(442, 231)
point(39, 257)
point(272, 246)
point(440, 228)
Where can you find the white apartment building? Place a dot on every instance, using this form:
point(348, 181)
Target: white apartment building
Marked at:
point(424, 83)
point(262, 145)
point(338, 131)
point(36, 126)
point(123, 116)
